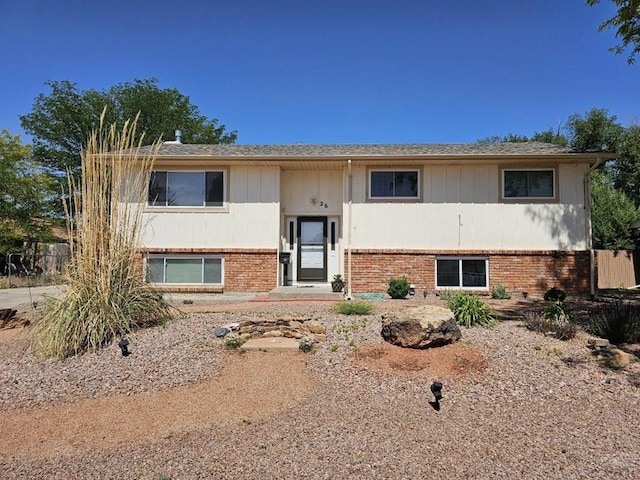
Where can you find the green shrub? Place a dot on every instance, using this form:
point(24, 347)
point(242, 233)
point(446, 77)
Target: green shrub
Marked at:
point(398, 287)
point(561, 330)
point(499, 293)
point(233, 340)
point(555, 295)
point(354, 308)
point(557, 311)
point(470, 310)
point(306, 344)
point(618, 322)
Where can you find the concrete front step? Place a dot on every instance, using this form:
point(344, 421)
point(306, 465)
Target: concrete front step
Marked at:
point(271, 344)
point(305, 292)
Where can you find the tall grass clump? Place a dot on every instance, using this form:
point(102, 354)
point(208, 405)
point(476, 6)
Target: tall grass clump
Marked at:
point(106, 296)
point(469, 310)
point(618, 322)
point(354, 308)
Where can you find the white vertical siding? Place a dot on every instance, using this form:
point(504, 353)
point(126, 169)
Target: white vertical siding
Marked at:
point(300, 188)
point(461, 210)
point(252, 220)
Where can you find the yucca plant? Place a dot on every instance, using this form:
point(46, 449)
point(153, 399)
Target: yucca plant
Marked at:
point(106, 296)
point(470, 310)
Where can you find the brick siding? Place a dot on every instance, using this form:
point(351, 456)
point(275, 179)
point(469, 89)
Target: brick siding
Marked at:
point(519, 271)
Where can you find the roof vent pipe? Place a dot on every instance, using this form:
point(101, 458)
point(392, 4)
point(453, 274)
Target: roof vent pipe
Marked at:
point(178, 136)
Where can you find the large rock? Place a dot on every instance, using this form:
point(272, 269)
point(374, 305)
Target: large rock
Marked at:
point(420, 327)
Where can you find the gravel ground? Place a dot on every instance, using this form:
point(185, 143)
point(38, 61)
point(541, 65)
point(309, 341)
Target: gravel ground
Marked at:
point(538, 408)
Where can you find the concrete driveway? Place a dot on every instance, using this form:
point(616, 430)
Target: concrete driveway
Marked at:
point(12, 297)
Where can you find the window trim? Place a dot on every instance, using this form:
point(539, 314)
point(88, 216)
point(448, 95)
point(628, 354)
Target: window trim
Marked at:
point(189, 208)
point(166, 257)
point(417, 198)
point(552, 199)
point(460, 286)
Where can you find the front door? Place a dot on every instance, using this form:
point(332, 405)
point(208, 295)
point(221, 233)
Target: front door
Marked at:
point(312, 249)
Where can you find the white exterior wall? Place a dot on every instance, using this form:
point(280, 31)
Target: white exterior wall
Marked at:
point(461, 209)
point(312, 193)
point(251, 221)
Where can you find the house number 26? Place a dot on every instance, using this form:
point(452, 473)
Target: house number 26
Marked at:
point(324, 204)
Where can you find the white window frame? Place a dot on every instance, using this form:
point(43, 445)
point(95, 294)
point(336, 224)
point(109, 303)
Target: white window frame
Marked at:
point(460, 274)
point(166, 257)
point(394, 170)
point(225, 201)
point(553, 197)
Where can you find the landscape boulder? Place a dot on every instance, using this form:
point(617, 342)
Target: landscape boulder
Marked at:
point(420, 327)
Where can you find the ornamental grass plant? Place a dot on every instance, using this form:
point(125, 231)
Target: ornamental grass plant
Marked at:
point(106, 296)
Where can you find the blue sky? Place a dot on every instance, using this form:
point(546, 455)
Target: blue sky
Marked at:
point(350, 71)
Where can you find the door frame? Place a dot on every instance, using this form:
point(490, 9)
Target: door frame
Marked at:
point(317, 219)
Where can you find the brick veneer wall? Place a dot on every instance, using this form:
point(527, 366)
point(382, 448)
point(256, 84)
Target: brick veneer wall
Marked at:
point(245, 269)
point(519, 271)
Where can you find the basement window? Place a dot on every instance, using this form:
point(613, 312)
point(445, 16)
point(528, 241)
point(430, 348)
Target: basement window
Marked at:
point(464, 272)
point(185, 269)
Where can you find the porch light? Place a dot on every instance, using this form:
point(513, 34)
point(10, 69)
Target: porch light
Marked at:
point(124, 347)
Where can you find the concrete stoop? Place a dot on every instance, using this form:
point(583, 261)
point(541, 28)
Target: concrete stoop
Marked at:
point(271, 344)
point(305, 292)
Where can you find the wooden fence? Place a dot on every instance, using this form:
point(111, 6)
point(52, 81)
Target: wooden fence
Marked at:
point(616, 269)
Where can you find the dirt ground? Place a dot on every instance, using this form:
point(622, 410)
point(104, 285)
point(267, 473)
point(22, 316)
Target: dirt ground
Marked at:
point(266, 387)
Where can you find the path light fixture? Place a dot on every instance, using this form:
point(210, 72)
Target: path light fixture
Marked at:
point(424, 294)
point(124, 347)
point(412, 289)
point(436, 389)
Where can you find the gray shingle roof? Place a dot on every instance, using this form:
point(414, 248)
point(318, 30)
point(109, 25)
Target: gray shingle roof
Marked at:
point(360, 150)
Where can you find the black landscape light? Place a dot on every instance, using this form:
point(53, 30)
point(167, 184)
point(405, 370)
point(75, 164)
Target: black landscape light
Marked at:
point(124, 344)
point(436, 389)
point(424, 294)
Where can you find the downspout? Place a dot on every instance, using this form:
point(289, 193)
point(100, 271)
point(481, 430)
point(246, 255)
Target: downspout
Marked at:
point(349, 227)
point(589, 232)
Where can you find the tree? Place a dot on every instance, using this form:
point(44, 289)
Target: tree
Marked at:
point(627, 165)
point(595, 132)
point(26, 193)
point(627, 24)
point(62, 121)
point(612, 212)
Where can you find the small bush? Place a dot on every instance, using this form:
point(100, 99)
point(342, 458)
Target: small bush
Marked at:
point(187, 302)
point(470, 310)
point(398, 287)
point(354, 308)
point(233, 340)
point(557, 311)
point(562, 330)
point(306, 344)
point(499, 293)
point(618, 322)
point(555, 295)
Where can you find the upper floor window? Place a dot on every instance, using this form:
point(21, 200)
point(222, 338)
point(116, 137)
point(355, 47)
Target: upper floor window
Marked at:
point(393, 184)
point(187, 189)
point(529, 183)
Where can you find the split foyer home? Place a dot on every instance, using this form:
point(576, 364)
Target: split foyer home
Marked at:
point(445, 216)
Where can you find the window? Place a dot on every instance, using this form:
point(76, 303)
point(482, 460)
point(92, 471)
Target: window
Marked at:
point(461, 273)
point(187, 189)
point(393, 184)
point(535, 183)
point(184, 269)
